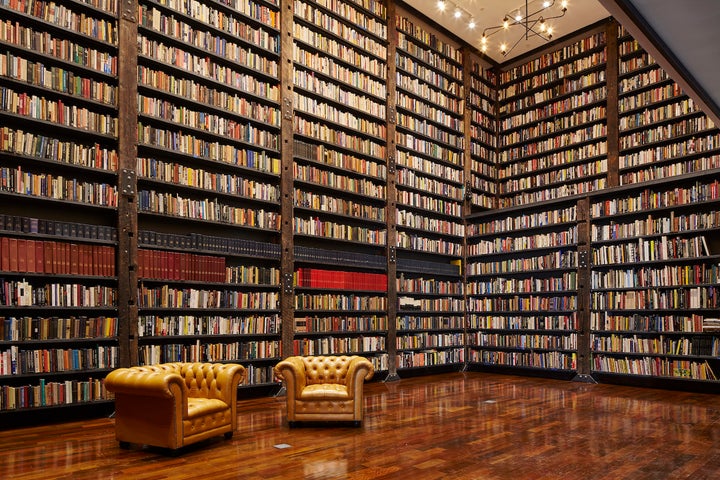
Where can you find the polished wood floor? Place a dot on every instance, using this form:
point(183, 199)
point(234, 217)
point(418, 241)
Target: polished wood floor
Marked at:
point(449, 426)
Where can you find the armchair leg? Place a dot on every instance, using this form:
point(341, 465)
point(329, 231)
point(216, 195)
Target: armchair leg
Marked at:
point(292, 424)
point(125, 445)
point(357, 423)
point(228, 435)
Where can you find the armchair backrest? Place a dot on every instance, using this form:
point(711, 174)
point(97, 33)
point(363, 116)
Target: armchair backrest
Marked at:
point(330, 369)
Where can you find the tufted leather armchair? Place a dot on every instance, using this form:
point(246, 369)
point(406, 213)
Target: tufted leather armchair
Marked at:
point(174, 404)
point(324, 388)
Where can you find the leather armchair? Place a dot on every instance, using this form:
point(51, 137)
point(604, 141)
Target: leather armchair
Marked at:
point(324, 388)
point(175, 404)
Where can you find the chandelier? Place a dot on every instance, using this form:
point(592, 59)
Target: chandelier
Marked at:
point(531, 19)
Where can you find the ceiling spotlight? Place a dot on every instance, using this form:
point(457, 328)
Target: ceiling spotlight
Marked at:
point(441, 5)
point(506, 23)
point(546, 4)
point(503, 48)
point(472, 24)
point(457, 13)
point(518, 17)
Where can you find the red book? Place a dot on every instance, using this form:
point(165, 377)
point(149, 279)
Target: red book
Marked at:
point(40, 256)
point(30, 260)
point(13, 265)
point(74, 260)
point(96, 263)
point(21, 255)
point(5, 254)
point(48, 256)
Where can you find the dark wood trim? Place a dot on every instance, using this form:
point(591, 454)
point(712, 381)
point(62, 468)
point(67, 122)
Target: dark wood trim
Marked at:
point(612, 110)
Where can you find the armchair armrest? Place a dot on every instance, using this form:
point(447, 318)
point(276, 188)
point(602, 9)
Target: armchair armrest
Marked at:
point(359, 370)
point(145, 381)
point(292, 370)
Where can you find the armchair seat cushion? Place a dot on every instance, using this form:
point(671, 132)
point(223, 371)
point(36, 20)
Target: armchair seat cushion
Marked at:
point(325, 391)
point(205, 406)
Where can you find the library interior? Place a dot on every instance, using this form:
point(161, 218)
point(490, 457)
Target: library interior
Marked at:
point(359, 239)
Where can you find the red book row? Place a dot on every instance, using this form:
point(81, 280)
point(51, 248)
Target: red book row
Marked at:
point(161, 264)
point(339, 280)
point(61, 258)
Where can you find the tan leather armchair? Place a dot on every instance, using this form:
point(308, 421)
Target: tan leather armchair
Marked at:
point(175, 404)
point(324, 388)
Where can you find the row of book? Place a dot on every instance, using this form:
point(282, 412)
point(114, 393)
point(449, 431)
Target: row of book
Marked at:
point(46, 394)
point(338, 345)
point(657, 345)
point(341, 324)
point(167, 265)
point(25, 294)
point(42, 226)
point(425, 340)
point(340, 280)
point(16, 361)
point(210, 243)
point(18, 329)
point(654, 366)
point(513, 321)
point(205, 352)
point(57, 258)
point(430, 357)
point(414, 304)
point(434, 322)
point(552, 360)
point(565, 341)
point(192, 325)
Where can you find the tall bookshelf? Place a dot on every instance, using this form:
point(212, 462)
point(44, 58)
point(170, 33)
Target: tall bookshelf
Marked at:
point(429, 163)
point(654, 280)
point(552, 125)
point(662, 133)
point(59, 170)
point(208, 163)
point(340, 174)
point(522, 288)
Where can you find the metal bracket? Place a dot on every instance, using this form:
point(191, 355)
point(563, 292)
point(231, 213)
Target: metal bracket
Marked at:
point(128, 181)
point(468, 190)
point(128, 11)
point(287, 108)
point(288, 283)
point(391, 114)
point(583, 259)
point(391, 164)
point(392, 254)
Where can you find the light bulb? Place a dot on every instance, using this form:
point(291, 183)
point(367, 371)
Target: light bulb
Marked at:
point(483, 48)
point(441, 5)
point(543, 27)
point(458, 13)
point(518, 17)
point(506, 24)
point(546, 4)
point(472, 24)
point(549, 31)
point(503, 48)
point(483, 40)
point(564, 4)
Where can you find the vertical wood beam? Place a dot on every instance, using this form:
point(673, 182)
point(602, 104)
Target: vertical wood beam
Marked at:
point(391, 193)
point(583, 291)
point(287, 244)
point(612, 111)
point(127, 184)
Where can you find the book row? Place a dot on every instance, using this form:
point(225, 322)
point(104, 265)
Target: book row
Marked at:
point(151, 201)
point(667, 276)
point(191, 325)
point(309, 81)
point(411, 179)
point(540, 360)
point(412, 359)
point(326, 178)
point(554, 260)
point(56, 258)
point(57, 79)
point(62, 49)
point(323, 301)
point(48, 394)
point(430, 39)
point(662, 345)
point(206, 352)
point(345, 10)
point(427, 91)
point(322, 132)
point(19, 329)
point(320, 228)
point(161, 264)
point(333, 158)
point(560, 191)
point(425, 305)
point(339, 257)
point(407, 322)
point(426, 340)
point(254, 10)
point(23, 294)
point(654, 366)
point(666, 299)
point(338, 345)
point(651, 250)
point(432, 286)
point(29, 144)
point(672, 170)
point(651, 199)
point(16, 361)
point(201, 242)
point(169, 297)
point(339, 117)
point(411, 241)
point(655, 225)
point(532, 303)
point(326, 324)
point(527, 165)
point(340, 280)
point(525, 341)
point(57, 187)
point(530, 242)
point(332, 204)
point(551, 321)
point(692, 322)
point(511, 286)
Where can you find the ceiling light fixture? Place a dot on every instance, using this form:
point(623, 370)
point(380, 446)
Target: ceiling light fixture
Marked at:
point(532, 19)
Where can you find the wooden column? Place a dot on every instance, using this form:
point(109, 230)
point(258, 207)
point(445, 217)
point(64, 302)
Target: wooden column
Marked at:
point(391, 195)
point(583, 292)
point(287, 255)
point(613, 129)
point(127, 184)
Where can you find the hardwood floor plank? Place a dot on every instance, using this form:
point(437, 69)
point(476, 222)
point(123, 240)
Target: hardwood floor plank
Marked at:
point(450, 426)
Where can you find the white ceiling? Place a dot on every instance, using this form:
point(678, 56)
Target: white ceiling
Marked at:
point(489, 13)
